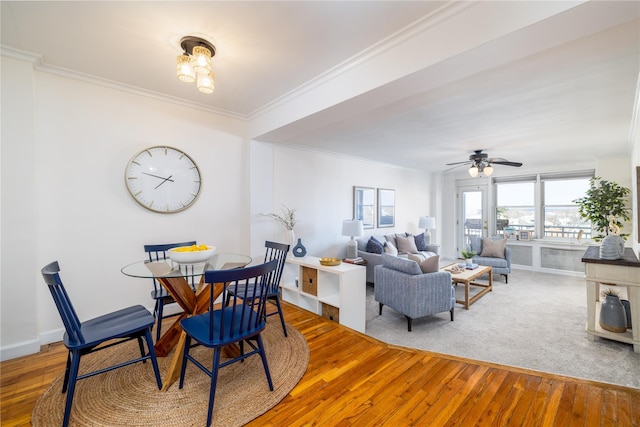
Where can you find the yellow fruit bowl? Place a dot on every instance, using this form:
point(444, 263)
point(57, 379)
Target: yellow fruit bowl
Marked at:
point(330, 261)
point(191, 254)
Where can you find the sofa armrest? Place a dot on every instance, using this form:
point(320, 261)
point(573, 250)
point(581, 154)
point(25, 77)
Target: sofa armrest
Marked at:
point(372, 260)
point(433, 248)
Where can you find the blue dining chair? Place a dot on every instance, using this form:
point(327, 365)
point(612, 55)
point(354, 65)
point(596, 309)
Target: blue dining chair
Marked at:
point(82, 338)
point(239, 322)
point(277, 251)
point(159, 294)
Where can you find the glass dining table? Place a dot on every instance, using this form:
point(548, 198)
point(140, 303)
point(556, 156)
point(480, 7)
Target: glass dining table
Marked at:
point(175, 278)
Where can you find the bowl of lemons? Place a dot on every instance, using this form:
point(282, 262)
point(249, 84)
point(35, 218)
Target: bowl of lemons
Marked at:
point(191, 254)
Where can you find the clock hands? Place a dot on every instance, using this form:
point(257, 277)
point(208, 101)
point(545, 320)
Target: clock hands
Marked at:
point(163, 181)
point(161, 177)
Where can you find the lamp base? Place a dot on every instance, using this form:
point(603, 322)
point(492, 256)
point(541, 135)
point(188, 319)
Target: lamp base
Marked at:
point(427, 237)
point(352, 249)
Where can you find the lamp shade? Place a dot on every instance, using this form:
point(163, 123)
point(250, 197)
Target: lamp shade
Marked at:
point(352, 227)
point(473, 171)
point(427, 222)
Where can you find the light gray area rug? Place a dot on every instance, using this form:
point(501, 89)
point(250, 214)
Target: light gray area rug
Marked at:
point(536, 321)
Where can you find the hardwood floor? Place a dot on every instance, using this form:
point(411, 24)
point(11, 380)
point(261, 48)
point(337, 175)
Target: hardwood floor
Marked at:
point(354, 380)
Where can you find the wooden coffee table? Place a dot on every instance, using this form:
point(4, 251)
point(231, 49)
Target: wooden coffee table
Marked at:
point(467, 278)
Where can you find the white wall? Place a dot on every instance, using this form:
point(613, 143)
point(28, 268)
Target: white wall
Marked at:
point(64, 196)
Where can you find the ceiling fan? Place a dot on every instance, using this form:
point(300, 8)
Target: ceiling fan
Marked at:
point(480, 162)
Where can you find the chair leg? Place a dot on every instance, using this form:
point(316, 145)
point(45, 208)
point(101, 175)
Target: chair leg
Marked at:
point(263, 356)
point(160, 303)
point(73, 375)
point(408, 322)
point(141, 346)
point(380, 311)
point(452, 313)
point(67, 368)
point(152, 355)
point(187, 345)
point(214, 381)
point(506, 278)
point(284, 328)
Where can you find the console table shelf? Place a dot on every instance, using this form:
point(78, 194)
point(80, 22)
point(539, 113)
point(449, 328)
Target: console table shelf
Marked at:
point(622, 272)
point(308, 284)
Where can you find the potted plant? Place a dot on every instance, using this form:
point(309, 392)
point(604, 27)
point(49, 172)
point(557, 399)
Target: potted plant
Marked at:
point(468, 255)
point(288, 220)
point(603, 200)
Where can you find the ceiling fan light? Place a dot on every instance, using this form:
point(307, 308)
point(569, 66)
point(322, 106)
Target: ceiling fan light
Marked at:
point(184, 70)
point(201, 60)
point(488, 170)
point(205, 82)
point(473, 171)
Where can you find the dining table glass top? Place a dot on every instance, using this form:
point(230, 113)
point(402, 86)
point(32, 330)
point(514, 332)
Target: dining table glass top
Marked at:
point(169, 268)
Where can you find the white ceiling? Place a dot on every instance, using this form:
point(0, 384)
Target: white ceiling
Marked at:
point(561, 85)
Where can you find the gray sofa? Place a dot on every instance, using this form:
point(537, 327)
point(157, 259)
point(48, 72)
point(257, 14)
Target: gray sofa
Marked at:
point(498, 265)
point(374, 259)
point(401, 285)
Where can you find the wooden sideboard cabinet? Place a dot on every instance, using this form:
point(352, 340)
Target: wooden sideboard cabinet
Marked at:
point(621, 272)
point(338, 292)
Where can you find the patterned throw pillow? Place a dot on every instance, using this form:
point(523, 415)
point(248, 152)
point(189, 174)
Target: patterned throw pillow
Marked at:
point(493, 248)
point(406, 245)
point(374, 246)
point(421, 243)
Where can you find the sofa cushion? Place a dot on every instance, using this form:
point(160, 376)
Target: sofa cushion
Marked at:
point(390, 249)
point(421, 242)
point(427, 264)
point(493, 248)
point(406, 244)
point(374, 246)
point(403, 265)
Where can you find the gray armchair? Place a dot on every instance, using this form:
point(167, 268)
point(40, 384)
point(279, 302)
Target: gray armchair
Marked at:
point(401, 285)
point(498, 265)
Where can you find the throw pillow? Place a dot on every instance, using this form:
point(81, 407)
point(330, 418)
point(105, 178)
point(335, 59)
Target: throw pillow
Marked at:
point(427, 265)
point(406, 245)
point(493, 248)
point(374, 246)
point(421, 243)
point(390, 249)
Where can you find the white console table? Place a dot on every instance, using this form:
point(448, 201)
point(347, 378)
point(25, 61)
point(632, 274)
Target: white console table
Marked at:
point(620, 272)
point(336, 290)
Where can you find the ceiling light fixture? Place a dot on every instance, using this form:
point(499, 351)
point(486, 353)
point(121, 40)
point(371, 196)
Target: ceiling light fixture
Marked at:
point(194, 65)
point(480, 166)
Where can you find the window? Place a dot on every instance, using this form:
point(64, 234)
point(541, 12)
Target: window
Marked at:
point(559, 214)
point(553, 215)
point(515, 207)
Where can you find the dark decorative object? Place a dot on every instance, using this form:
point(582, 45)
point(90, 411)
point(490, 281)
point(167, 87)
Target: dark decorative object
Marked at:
point(627, 309)
point(299, 250)
point(612, 314)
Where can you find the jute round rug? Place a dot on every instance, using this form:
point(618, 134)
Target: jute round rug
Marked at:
point(129, 396)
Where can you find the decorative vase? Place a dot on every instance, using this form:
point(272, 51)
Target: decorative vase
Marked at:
point(299, 250)
point(627, 310)
point(613, 318)
point(612, 247)
point(468, 261)
point(290, 239)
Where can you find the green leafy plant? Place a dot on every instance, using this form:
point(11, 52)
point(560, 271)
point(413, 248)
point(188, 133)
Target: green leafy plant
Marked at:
point(468, 254)
point(287, 219)
point(603, 200)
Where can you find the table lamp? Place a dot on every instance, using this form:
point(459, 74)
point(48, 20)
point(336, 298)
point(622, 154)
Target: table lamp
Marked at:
point(353, 228)
point(428, 223)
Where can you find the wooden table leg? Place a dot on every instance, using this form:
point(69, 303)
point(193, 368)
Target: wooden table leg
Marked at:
point(173, 373)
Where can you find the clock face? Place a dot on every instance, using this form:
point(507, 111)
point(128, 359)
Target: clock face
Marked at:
point(163, 179)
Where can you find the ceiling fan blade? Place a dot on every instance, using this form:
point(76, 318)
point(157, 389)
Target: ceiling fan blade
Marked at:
point(467, 162)
point(455, 167)
point(507, 163)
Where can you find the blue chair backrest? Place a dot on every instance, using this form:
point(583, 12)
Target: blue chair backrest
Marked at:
point(50, 273)
point(277, 251)
point(246, 312)
point(159, 253)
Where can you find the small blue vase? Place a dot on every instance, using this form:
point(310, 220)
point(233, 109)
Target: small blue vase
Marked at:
point(299, 250)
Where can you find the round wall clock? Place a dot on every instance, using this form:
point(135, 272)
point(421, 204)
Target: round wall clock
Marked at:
point(163, 179)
